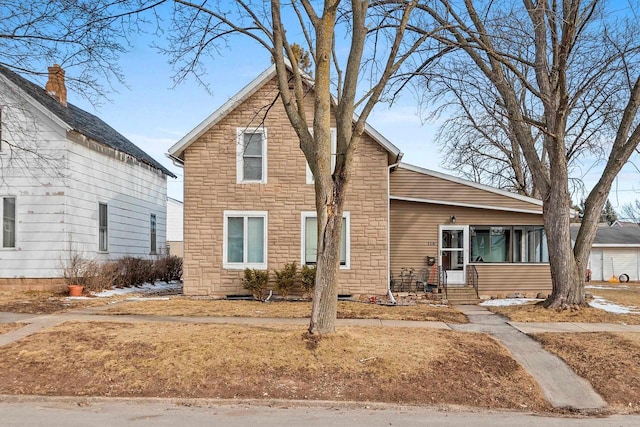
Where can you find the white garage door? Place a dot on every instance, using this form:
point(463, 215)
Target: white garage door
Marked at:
point(620, 261)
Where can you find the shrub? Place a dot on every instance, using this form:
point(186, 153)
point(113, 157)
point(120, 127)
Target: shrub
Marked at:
point(136, 271)
point(78, 270)
point(108, 275)
point(169, 267)
point(256, 281)
point(308, 278)
point(286, 278)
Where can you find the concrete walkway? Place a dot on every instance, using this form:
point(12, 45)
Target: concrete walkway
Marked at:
point(562, 387)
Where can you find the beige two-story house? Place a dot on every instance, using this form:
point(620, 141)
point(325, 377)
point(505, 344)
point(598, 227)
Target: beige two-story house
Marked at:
point(249, 203)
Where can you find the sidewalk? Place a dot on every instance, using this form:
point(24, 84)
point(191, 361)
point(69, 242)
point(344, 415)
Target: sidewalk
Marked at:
point(561, 386)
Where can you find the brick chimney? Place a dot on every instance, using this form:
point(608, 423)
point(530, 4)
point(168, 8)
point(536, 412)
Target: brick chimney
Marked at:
point(55, 86)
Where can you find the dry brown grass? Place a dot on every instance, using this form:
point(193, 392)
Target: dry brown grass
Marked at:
point(609, 361)
point(280, 309)
point(627, 294)
point(230, 361)
point(35, 302)
point(537, 313)
point(8, 327)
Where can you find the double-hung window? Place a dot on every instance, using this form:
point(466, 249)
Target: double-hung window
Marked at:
point(8, 222)
point(251, 155)
point(103, 227)
point(152, 228)
point(245, 240)
point(310, 239)
point(334, 150)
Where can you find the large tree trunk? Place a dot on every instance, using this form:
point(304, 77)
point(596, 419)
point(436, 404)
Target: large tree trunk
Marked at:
point(567, 270)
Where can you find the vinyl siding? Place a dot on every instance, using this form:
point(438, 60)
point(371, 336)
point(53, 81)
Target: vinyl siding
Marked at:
point(414, 236)
point(411, 184)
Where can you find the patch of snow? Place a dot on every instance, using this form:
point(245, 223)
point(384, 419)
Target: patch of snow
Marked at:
point(143, 289)
point(603, 304)
point(614, 288)
point(148, 299)
point(76, 298)
point(508, 301)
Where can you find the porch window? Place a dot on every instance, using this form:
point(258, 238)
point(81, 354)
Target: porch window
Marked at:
point(530, 244)
point(310, 239)
point(251, 156)
point(508, 244)
point(245, 239)
point(8, 222)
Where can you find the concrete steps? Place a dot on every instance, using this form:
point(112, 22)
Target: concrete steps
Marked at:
point(462, 295)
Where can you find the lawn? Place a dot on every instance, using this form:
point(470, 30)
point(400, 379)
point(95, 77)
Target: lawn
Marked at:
point(627, 294)
point(537, 313)
point(399, 365)
point(8, 327)
point(610, 362)
point(37, 302)
point(183, 306)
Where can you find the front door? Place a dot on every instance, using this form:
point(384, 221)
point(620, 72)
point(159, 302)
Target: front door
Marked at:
point(454, 252)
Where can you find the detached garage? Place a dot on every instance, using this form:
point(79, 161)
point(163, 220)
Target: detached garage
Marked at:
point(615, 251)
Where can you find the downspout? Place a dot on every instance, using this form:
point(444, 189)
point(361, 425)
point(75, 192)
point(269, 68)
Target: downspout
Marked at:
point(393, 166)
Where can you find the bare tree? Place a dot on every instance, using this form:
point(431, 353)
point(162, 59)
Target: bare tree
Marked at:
point(343, 86)
point(564, 76)
point(631, 212)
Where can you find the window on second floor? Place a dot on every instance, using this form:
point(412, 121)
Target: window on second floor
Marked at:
point(334, 150)
point(251, 155)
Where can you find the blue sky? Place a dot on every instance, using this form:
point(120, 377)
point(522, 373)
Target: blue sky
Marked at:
point(154, 115)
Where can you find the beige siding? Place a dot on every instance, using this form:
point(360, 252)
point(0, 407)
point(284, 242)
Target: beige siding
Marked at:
point(414, 236)
point(410, 184)
point(210, 188)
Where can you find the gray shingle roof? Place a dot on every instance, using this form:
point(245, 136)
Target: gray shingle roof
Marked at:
point(606, 235)
point(83, 122)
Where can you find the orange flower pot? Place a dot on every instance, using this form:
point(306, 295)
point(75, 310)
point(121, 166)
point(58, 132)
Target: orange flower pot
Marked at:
point(75, 290)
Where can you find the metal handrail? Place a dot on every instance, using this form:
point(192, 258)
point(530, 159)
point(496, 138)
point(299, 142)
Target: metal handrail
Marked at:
point(473, 278)
point(442, 278)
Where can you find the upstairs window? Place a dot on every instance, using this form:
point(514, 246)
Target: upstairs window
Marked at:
point(103, 227)
point(8, 222)
point(251, 156)
point(334, 150)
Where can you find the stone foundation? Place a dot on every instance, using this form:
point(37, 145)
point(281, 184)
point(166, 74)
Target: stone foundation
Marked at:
point(32, 284)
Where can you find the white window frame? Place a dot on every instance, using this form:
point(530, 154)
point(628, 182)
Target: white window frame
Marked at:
point(106, 250)
point(240, 158)
point(334, 149)
point(312, 214)
point(225, 234)
point(153, 234)
point(15, 223)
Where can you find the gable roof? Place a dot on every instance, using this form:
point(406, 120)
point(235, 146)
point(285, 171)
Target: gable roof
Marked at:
point(178, 148)
point(81, 121)
point(607, 236)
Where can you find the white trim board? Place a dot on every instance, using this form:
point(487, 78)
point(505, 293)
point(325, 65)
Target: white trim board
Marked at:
point(464, 205)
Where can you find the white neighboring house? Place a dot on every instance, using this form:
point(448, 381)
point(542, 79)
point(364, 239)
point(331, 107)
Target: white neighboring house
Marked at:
point(69, 182)
point(615, 251)
point(175, 218)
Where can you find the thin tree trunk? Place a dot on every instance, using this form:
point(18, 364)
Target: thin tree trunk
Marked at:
point(325, 299)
